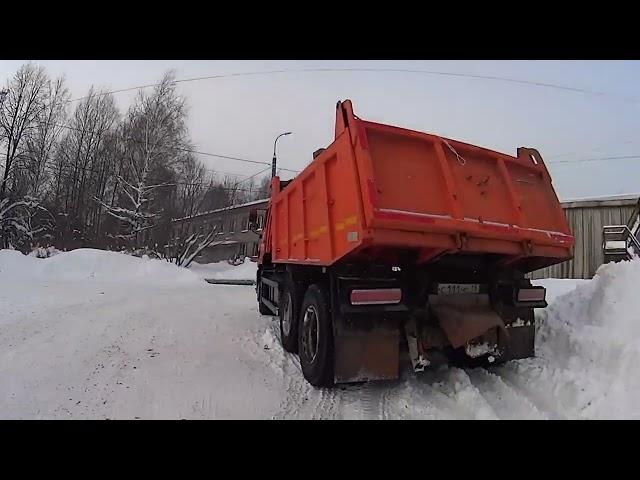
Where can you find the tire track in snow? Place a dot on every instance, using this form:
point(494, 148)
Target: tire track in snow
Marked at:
point(470, 396)
point(418, 392)
point(327, 407)
point(303, 401)
point(293, 400)
point(297, 393)
point(506, 401)
point(300, 400)
point(373, 400)
point(517, 382)
point(370, 399)
point(448, 394)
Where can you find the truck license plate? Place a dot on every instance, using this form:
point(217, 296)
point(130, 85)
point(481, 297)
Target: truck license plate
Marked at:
point(456, 288)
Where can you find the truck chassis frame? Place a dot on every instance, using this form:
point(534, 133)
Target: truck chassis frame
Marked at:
point(367, 340)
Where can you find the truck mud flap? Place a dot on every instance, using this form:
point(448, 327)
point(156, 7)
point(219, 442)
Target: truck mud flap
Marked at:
point(366, 337)
point(521, 343)
point(462, 323)
point(363, 354)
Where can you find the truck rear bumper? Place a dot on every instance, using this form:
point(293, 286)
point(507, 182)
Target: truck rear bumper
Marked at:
point(367, 338)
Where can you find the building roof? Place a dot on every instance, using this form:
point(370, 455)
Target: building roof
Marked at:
point(609, 201)
point(217, 210)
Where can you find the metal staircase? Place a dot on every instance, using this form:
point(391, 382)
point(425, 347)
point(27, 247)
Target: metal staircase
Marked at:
point(620, 242)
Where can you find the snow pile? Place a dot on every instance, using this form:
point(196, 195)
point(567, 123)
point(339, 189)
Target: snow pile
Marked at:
point(13, 262)
point(590, 338)
point(223, 270)
point(90, 264)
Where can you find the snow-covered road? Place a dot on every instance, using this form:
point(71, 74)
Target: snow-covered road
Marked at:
point(90, 334)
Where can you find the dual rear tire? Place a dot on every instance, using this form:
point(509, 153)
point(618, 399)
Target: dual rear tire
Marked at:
point(288, 320)
point(307, 330)
point(315, 338)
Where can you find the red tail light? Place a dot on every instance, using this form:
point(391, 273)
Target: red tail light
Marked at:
point(531, 294)
point(378, 296)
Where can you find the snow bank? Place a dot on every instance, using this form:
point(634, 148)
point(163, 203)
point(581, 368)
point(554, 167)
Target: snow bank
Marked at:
point(12, 262)
point(90, 264)
point(591, 336)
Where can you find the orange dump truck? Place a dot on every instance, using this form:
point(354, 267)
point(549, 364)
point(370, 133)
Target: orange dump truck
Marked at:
point(395, 243)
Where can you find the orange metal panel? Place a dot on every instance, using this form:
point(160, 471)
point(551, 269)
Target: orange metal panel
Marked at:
point(383, 185)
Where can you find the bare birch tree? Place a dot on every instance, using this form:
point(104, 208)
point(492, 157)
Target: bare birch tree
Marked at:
point(44, 139)
point(21, 108)
point(156, 140)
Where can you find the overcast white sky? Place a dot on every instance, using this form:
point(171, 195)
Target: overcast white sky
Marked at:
point(240, 116)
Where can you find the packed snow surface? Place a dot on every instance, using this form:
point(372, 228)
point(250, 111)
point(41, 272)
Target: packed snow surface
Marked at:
point(93, 334)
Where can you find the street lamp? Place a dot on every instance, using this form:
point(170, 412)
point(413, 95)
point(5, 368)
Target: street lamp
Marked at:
point(273, 162)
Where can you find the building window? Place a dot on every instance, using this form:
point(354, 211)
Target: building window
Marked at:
point(254, 249)
point(242, 251)
point(260, 221)
point(232, 225)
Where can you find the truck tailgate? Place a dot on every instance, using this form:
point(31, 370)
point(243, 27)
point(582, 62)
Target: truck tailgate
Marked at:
point(421, 182)
point(383, 192)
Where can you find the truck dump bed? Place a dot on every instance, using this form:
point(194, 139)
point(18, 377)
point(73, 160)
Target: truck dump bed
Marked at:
point(383, 192)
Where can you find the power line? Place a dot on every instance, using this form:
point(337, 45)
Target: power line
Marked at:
point(382, 70)
point(364, 70)
point(222, 156)
point(254, 175)
point(355, 69)
point(230, 174)
point(609, 144)
point(599, 159)
point(389, 70)
point(183, 149)
point(71, 169)
point(54, 168)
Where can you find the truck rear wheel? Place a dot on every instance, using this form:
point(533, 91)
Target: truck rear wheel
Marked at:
point(288, 320)
point(315, 338)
